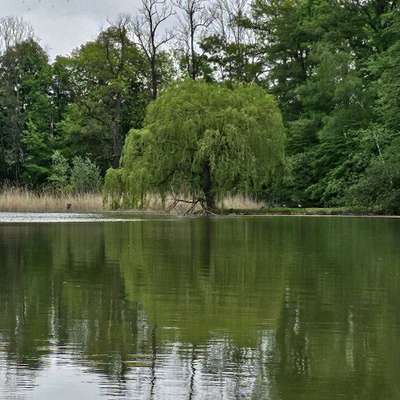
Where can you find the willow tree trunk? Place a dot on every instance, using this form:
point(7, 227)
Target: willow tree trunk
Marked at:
point(207, 187)
point(116, 134)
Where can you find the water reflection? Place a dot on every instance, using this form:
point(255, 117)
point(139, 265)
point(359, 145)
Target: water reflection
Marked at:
point(261, 308)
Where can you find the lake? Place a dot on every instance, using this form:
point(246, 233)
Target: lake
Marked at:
point(280, 308)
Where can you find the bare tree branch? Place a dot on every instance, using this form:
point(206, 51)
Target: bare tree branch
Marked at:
point(194, 15)
point(146, 29)
point(14, 30)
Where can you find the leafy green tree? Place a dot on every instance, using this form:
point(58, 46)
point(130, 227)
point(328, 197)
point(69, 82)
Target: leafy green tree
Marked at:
point(106, 82)
point(85, 176)
point(37, 155)
point(204, 141)
point(229, 61)
point(335, 103)
point(25, 113)
point(389, 85)
point(59, 173)
point(378, 185)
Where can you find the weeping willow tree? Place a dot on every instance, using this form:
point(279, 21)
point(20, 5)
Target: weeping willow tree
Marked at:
point(202, 142)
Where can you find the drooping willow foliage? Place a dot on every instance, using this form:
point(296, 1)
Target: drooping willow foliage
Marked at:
point(202, 141)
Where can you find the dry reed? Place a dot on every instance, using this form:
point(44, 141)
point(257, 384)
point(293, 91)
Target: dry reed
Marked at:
point(23, 200)
point(238, 202)
point(153, 203)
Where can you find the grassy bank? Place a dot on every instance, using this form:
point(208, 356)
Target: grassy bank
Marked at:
point(21, 200)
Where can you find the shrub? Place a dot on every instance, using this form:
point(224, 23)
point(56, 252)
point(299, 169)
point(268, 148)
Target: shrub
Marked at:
point(59, 173)
point(85, 176)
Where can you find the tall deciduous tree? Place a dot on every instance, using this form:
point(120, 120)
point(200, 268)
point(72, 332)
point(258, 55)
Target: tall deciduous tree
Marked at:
point(25, 113)
point(106, 81)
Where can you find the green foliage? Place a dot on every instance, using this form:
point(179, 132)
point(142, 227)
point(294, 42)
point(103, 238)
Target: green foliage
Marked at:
point(85, 176)
point(107, 86)
point(37, 146)
point(204, 141)
point(228, 60)
point(389, 87)
point(332, 68)
point(127, 186)
point(113, 188)
point(379, 187)
point(59, 173)
point(25, 114)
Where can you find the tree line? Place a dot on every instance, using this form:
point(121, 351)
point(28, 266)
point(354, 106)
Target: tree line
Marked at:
point(332, 66)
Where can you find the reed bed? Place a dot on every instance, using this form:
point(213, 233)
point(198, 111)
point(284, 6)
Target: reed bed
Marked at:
point(23, 200)
point(240, 203)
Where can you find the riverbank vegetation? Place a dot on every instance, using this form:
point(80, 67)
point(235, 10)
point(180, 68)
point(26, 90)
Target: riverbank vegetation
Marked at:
point(26, 200)
point(328, 70)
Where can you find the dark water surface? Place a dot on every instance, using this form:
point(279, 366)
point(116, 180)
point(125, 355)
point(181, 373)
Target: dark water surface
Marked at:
point(226, 308)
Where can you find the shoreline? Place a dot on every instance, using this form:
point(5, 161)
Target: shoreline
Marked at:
point(321, 213)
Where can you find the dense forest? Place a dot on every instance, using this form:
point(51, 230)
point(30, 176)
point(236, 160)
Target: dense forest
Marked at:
point(331, 66)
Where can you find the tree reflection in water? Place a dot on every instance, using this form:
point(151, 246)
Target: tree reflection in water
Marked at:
point(263, 308)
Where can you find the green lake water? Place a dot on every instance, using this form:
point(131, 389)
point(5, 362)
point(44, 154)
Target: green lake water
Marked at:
point(280, 308)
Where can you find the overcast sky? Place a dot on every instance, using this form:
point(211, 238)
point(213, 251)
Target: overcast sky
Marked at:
point(62, 25)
